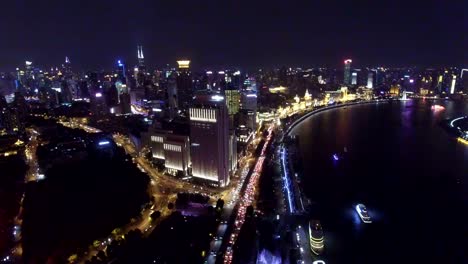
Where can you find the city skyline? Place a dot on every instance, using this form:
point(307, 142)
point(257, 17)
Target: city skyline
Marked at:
point(231, 132)
point(95, 35)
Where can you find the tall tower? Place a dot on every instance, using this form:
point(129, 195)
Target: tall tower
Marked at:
point(172, 97)
point(122, 76)
point(370, 80)
point(453, 84)
point(354, 78)
point(140, 70)
point(347, 71)
point(184, 84)
point(141, 58)
point(209, 134)
point(67, 66)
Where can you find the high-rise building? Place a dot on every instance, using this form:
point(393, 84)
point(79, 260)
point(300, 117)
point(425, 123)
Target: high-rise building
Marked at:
point(370, 80)
point(232, 101)
point(347, 71)
point(29, 69)
point(140, 70)
point(453, 84)
point(5, 116)
point(183, 64)
point(98, 103)
point(67, 68)
point(249, 101)
point(232, 152)
point(354, 78)
point(209, 136)
point(141, 58)
point(184, 84)
point(172, 98)
point(248, 110)
point(121, 72)
point(464, 80)
point(125, 103)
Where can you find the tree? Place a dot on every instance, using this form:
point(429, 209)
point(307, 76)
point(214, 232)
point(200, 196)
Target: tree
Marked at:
point(170, 206)
point(101, 255)
point(220, 204)
point(249, 211)
point(155, 215)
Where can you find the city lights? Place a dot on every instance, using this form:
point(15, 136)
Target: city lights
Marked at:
point(229, 142)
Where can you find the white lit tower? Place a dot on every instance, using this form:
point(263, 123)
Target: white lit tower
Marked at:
point(140, 70)
point(141, 58)
point(370, 80)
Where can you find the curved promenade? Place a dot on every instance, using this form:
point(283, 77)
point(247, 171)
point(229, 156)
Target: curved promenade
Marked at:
point(326, 108)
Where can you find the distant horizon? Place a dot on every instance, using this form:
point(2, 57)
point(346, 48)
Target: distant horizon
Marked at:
point(247, 34)
point(198, 68)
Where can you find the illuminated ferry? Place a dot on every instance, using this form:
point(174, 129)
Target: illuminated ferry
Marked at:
point(316, 237)
point(363, 213)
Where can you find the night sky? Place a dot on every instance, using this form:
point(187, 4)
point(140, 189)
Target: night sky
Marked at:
point(246, 34)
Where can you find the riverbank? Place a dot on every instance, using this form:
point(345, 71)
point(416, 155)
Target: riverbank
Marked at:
point(297, 202)
point(402, 165)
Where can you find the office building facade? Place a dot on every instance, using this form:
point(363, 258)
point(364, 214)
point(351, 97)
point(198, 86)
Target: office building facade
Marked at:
point(171, 149)
point(209, 135)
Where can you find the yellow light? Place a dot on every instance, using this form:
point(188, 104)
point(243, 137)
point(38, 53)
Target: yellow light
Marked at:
point(183, 64)
point(464, 141)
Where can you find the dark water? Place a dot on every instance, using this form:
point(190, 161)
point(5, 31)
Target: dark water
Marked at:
point(404, 167)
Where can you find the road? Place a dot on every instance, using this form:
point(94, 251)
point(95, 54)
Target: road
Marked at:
point(165, 188)
point(32, 174)
point(246, 199)
point(231, 198)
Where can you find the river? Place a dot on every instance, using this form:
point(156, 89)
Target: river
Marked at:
point(397, 160)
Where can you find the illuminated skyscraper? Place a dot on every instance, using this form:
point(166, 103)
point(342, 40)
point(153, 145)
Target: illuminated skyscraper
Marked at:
point(5, 116)
point(453, 84)
point(232, 101)
point(140, 70)
point(347, 71)
point(354, 78)
point(209, 136)
point(183, 64)
point(248, 110)
point(121, 74)
point(464, 80)
point(249, 101)
point(67, 68)
point(184, 84)
point(29, 69)
point(172, 95)
point(141, 58)
point(98, 103)
point(370, 80)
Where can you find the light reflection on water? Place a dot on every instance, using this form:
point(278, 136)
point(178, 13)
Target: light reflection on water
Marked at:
point(390, 168)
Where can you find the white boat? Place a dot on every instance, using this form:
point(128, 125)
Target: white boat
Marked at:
point(316, 237)
point(363, 213)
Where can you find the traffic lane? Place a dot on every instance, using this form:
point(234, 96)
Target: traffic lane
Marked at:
point(303, 242)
